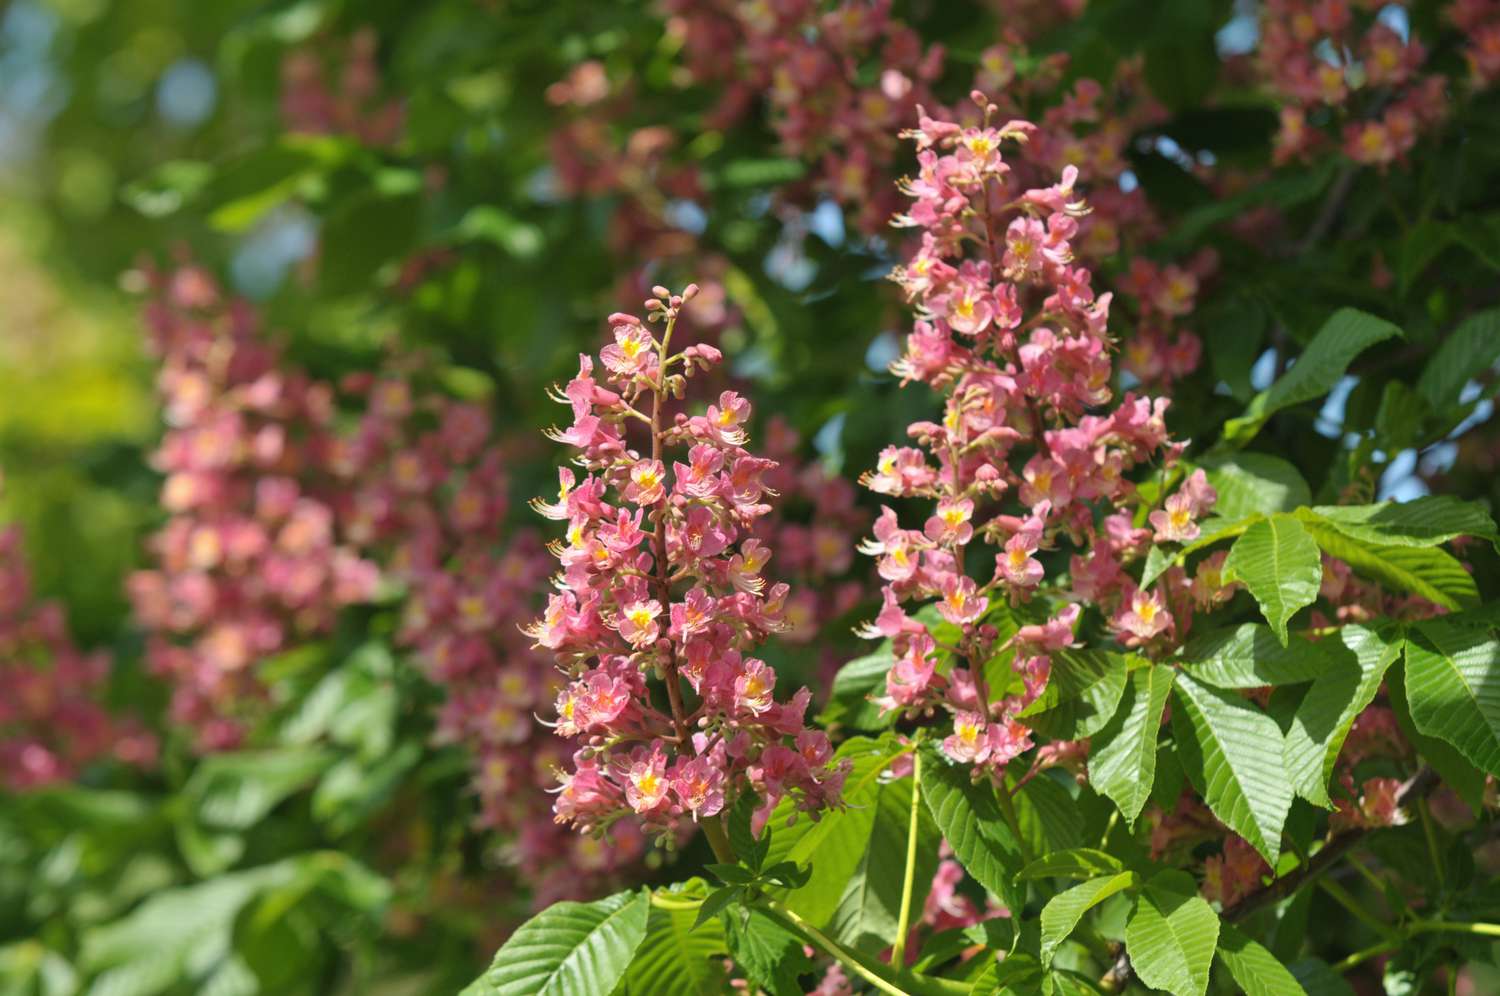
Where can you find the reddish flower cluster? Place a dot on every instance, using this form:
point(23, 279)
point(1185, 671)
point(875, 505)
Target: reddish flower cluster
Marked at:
point(660, 576)
point(252, 557)
point(313, 105)
point(806, 62)
point(815, 556)
point(51, 723)
point(1017, 340)
point(1479, 20)
point(426, 491)
point(1336, 66)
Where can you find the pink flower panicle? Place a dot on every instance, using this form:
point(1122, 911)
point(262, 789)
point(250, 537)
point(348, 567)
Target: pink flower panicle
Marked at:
point(52, 725)
point(1010, 330)
point(661, 576)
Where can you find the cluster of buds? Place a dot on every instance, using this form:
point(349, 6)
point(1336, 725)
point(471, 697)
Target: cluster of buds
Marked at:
point(252, 557)
point(52, 724)
point(313, 104)
point(1338, 67)
point(1017, 341)
point(660, 578)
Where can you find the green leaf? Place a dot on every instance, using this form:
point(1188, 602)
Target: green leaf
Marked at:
point(363, 234)
point(1122, 756)
point(677, 955)
point(1426, 571)
point(1083, 689)
point(1254, 969)
point(769, 955)
point(1468, 351)
point(1426, 521)
point(1279, 562)
point(849, 700)
point(1076, 862)
point(717, 900)
point(570, 949)
point(1357, 659)
point(1455, 769)
point(750, 849)
point(1250, 656)
point(834, 844)
point(970, 820)
point(1343, 337)
point(236, 791)
point(1063, 911)
point(1171, 935)
point(1048, 816)
point(869, 907)
point(1254, 484)
point(1453, 688)
point(1231, 751)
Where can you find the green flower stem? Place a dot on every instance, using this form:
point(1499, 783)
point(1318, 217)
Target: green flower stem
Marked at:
point(1416, 927)
point(1360, 957)
point(1454, 927)
point(884, 978)
point(1432, 844)
point(903, 922)
point(1348, 902)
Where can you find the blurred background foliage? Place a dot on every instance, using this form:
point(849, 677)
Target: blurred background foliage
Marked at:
point(337, 853)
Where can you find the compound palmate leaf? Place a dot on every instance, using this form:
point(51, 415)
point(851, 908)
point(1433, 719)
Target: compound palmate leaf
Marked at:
point(569, 949)
point(1280, 564)
point(1453, 687)
point(1122, 756)
point(1231, 751)
point(1357, 660)
point(1171, 935)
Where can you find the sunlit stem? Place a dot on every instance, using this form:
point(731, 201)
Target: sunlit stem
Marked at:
point(903, 921)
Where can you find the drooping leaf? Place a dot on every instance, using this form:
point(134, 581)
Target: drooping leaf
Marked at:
point(1250, 656)
point(1231, 751)
point(1254, 484)
point(1279, 562)
point(1171, 935)
point(1122, 756)
point(1456, 770)
point(970, 820)
point(570, 949)
point(1254, 969)
point(1344, 336)
point(1357, 661)
point(1465, 353)
point(1453, 688)
point(1063, 911)
point(1425, 521)
point(1429, 572)
point(1083, 689)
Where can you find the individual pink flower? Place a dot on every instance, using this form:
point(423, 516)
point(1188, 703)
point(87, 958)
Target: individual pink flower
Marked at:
point(637, 622)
